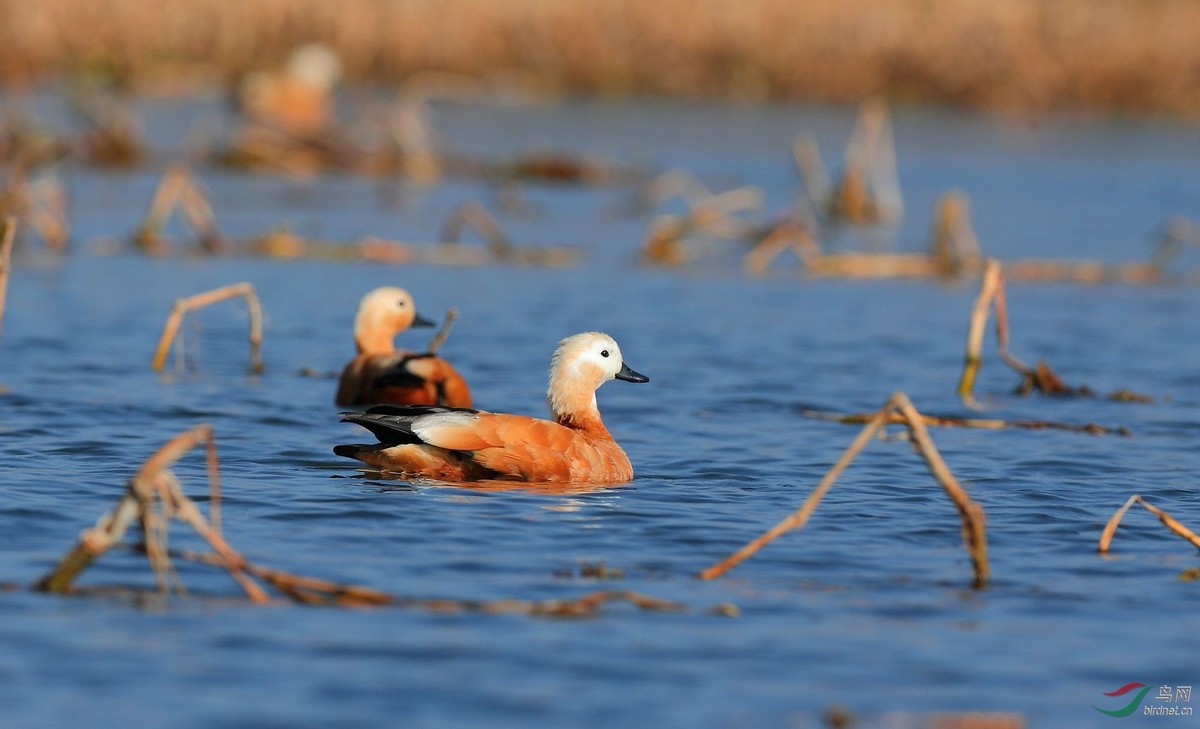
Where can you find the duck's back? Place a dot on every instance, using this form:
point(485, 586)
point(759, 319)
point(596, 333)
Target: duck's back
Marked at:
point(402, 378)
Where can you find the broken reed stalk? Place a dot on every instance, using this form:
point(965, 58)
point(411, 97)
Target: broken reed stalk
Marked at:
point(201, 300)
point(792, 234)
point(973, 523)
point(954, 244)
point(6, 246)
point(46, 211)
point(989, 289)
point(991, 294)
point(440, 338)
point(974, 535)
point(1168, 521)
point(177, 189)
point(673, 183)
point(154, 497)
point(807, 156)
point(869, 190)
point(474, 215)
point(712, 216)
point(136, 503)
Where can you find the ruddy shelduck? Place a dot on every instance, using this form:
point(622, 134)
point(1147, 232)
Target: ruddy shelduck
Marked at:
point(381, 373)
point(460, 444)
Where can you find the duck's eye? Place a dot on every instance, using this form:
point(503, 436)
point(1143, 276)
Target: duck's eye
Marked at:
point(604, 353)
point(401, 303)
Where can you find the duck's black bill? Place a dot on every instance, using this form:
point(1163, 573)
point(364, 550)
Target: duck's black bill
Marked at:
point(420, 321)
point(630, 376)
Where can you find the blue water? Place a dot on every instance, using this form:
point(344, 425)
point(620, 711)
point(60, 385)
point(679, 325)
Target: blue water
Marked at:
point(868, 608)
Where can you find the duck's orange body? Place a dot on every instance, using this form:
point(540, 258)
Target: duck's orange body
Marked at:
point(382, 374)
point(458, 444)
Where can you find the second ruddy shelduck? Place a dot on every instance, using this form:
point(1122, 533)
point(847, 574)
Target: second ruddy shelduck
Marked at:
point(382, 374)
point(460, 444)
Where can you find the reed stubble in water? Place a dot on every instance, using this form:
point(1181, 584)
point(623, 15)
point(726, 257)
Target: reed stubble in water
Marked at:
point(207, 298)
point(973, 530)
point(154, 498)
point(1167, 520)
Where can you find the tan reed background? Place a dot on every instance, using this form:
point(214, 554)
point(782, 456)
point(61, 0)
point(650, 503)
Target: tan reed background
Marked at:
point(1008, 54)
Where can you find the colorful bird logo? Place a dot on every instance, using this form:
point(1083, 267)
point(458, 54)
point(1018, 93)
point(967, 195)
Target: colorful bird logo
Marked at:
point(1133, 704)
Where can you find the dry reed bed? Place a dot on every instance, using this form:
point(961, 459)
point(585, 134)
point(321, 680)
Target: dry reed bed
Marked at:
point(1020, 53)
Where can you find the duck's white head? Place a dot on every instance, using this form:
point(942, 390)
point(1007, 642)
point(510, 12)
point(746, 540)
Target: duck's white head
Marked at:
point(383, 313)
point(582, 363)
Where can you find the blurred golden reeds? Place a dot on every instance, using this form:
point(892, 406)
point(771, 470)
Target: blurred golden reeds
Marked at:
point(1142, 54)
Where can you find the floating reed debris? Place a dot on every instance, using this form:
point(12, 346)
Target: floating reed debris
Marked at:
point(40, 202)
point(674, 183)
point(27, 142)
point(1177, 232)
point(971, 513)
point(178, 189)
point(868, 191)
point(113, 137)
point(497, 244)
point(561, 168)
point(712, 216)
point(154, 498)
point(793, 233)
point(201, 300)
point(954, 244)
point(1167, 520)
point(1039, 378)
point(948, 421)
point(474, 215)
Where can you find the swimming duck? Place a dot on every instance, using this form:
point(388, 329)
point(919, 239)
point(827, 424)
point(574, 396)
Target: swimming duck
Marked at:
point(297, 100)
point(381, 373)
point(461, 444)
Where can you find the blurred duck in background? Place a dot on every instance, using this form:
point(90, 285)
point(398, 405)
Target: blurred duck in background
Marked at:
point(382, 374)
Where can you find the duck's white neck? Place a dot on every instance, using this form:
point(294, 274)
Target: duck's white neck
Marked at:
point(572, 398)
point(371, 334)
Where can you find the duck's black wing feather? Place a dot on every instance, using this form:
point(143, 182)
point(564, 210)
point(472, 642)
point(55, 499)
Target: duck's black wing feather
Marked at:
point(392, 424)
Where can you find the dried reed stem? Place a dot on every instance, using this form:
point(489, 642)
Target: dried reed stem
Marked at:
point(178, 189)
point(973, 528)
point(974, 533)
point(153, 484)
point(992, 283)
point(474, 215)
point(201, 300)
point(133, 506)
point(671, 184)
point(869, 190)
point(46, 212)
point(440, 338)
point(807, 156)
point(799, 518)
point(954, 242)
point(6, 246)
point(1111, 527)
point(1168, 521)
point(712, 216)
point(791, 234)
